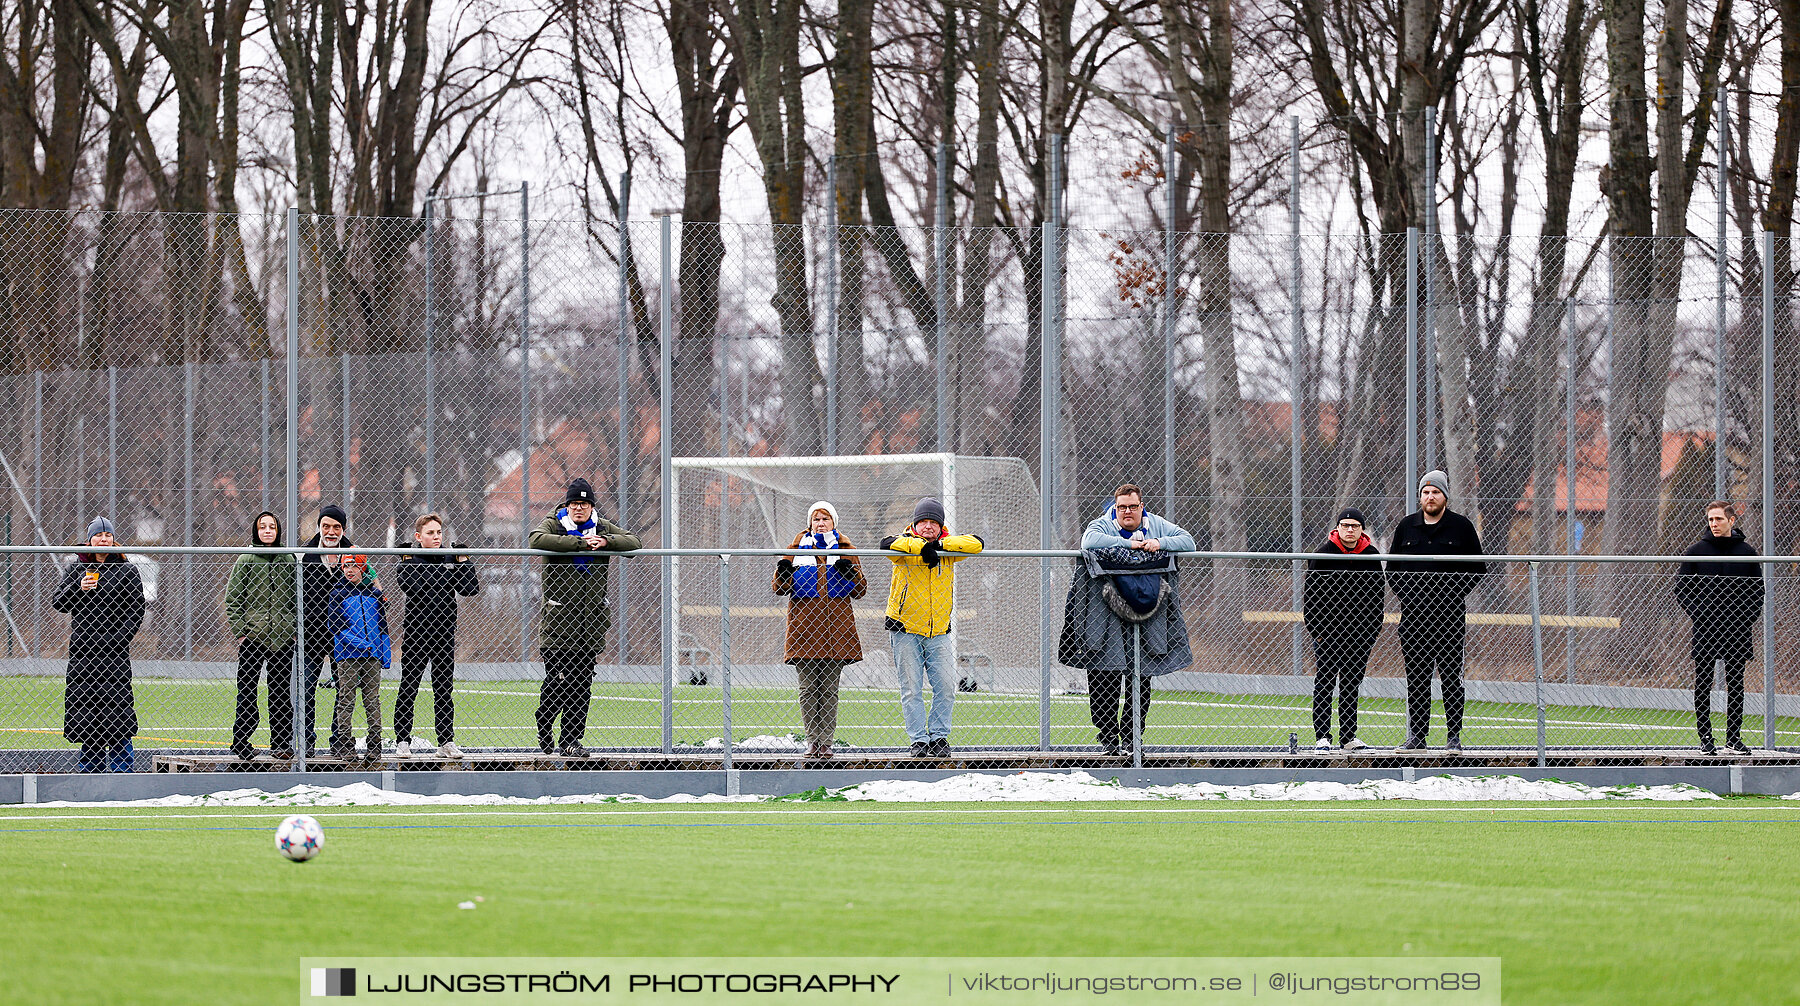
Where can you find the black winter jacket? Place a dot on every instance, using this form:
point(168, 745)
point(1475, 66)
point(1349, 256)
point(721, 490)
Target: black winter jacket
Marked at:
point(432, 581)
point(1723, 598)
point(1345, 597)
point(97, 702)
point(320, 581)
point(1428, 589)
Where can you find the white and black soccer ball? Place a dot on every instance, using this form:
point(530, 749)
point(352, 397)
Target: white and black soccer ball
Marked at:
point(299, 838)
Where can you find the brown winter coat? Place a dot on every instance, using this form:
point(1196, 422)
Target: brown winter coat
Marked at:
point(822, 628)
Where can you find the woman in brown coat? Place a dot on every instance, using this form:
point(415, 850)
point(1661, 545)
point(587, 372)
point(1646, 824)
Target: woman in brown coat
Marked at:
point(821, 627)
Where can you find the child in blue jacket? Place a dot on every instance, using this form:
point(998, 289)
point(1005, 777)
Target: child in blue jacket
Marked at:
point(356, 619)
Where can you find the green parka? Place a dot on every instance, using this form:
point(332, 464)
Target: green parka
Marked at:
point(575, 615)
point(259, 597)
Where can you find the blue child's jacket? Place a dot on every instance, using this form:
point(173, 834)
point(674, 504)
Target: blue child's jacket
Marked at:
point(357, 624)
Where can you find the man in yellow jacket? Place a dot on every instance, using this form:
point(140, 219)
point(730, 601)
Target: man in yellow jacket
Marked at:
point(918, 622)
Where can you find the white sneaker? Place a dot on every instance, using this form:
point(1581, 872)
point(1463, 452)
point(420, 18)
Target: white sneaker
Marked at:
point(403, 749)
point(450, 750)
point(1355, 745)
point(1322, 745)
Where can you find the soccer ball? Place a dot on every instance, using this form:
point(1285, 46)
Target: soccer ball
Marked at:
point(299, 838)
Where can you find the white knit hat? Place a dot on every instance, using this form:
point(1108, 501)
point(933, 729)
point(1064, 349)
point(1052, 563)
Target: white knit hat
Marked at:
point(821, 505)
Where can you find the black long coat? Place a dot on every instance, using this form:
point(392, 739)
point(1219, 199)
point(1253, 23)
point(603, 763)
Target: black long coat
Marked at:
point(1345, 598)
point(97, 702)
point(1723, 598)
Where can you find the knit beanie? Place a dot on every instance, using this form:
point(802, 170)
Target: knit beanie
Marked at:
point(1436, 477)
point(928, 509)
point(336, 513)
point(1351, 513)
point(579, 492)
point(816, 507)
point(99, 525)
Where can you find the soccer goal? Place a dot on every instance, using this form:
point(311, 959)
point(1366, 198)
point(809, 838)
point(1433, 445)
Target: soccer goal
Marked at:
point(750, 502)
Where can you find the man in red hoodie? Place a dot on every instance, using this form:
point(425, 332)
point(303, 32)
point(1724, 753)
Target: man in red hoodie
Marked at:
point(1343, 610)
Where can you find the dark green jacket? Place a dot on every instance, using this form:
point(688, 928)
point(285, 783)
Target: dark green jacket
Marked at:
point(574, 615)
point(259, 599)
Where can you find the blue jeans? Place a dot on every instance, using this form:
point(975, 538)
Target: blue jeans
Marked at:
point(118, 757)
point(917, 657)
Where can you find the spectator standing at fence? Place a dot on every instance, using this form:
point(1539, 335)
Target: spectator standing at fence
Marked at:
point(357, 621)
point(1724, 600)
point(1343, 609)
point(259, 608)
point(821, 627)
point(432, 580)
point(104, 599)
point(1432, 617)
point(574, 617)
point(1128, 525)
point(321, 577)
point(920, 598)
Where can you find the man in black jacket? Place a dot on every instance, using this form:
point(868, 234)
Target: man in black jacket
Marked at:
point(1431, 596)
point(1724, 600)
point(320, 573)
point(431, 581)
point(1343, 609)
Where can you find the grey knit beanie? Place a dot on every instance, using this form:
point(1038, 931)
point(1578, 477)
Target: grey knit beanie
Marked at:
point(99, 525)
point(1436, 477)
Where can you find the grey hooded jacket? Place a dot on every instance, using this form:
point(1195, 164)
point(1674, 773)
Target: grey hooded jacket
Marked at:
point(1097, 630)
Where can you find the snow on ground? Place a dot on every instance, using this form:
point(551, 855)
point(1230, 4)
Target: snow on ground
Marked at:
point(968, 788)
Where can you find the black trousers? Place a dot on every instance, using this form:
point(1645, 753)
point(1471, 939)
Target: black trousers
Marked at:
point(1109, 703)
point(1429, 644)
point(440, 654)
point(315, 667)
point(568, 687)
point(253, 658)
point(1341, 662)
point(1734, 699)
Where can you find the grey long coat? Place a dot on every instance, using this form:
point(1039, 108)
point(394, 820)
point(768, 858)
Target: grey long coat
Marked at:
point(1096, 639)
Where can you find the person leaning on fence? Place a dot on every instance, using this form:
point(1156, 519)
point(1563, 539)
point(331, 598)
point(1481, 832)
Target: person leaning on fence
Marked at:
point(1723, 599)
point(1432, 617)
point(1106, 603)
point(432, 580)
point(920, 598)
point(259, 608)
point(321, 578)
point(1343, 610)
point(357, 621)
point(821, 627)
point(574, 616)
point(104, 599)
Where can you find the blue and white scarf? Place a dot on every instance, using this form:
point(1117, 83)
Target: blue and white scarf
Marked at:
point(1137, 534)
point(582, 560)
point(816, 540)
point(813, 575)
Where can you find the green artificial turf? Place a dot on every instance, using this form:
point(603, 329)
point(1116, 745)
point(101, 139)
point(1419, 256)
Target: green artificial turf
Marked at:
point(196, 715)
point(1584, 903)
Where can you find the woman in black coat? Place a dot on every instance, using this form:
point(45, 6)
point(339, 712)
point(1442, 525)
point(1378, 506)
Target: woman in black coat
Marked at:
point(104, 599)
point(1343, 610)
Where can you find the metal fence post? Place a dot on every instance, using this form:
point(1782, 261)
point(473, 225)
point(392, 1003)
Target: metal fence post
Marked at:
point(725, 653)
point(1047, 457)
point(1768, 484)
point(525, 430)
point(37, 506)
point(430, 359)
point(344, 433)
point(1170, 208)
point(1137, 695)
point(940, 259)
point(263, 387)
point(1297, 385)
point(623, 451)
point(1409, 481)
point(831, 324)
point(112, 442)
point(1431, 362)
point(297, 684)
point(1571, 390)
point(665, 419)
point(187, 507)
point(1537, 660)
point(1722, 259)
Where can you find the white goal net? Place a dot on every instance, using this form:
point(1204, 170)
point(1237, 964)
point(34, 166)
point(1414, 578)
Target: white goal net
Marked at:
point(763, 503)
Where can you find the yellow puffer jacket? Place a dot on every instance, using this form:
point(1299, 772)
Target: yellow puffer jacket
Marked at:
point(921, 595)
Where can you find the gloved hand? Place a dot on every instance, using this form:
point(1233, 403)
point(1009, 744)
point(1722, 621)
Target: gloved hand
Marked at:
point(784, 566)
point(930, 554)
point(844, 567)
point(888, 542)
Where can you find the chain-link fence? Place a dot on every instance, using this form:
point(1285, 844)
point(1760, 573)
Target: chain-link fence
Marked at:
point(1584, 396)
